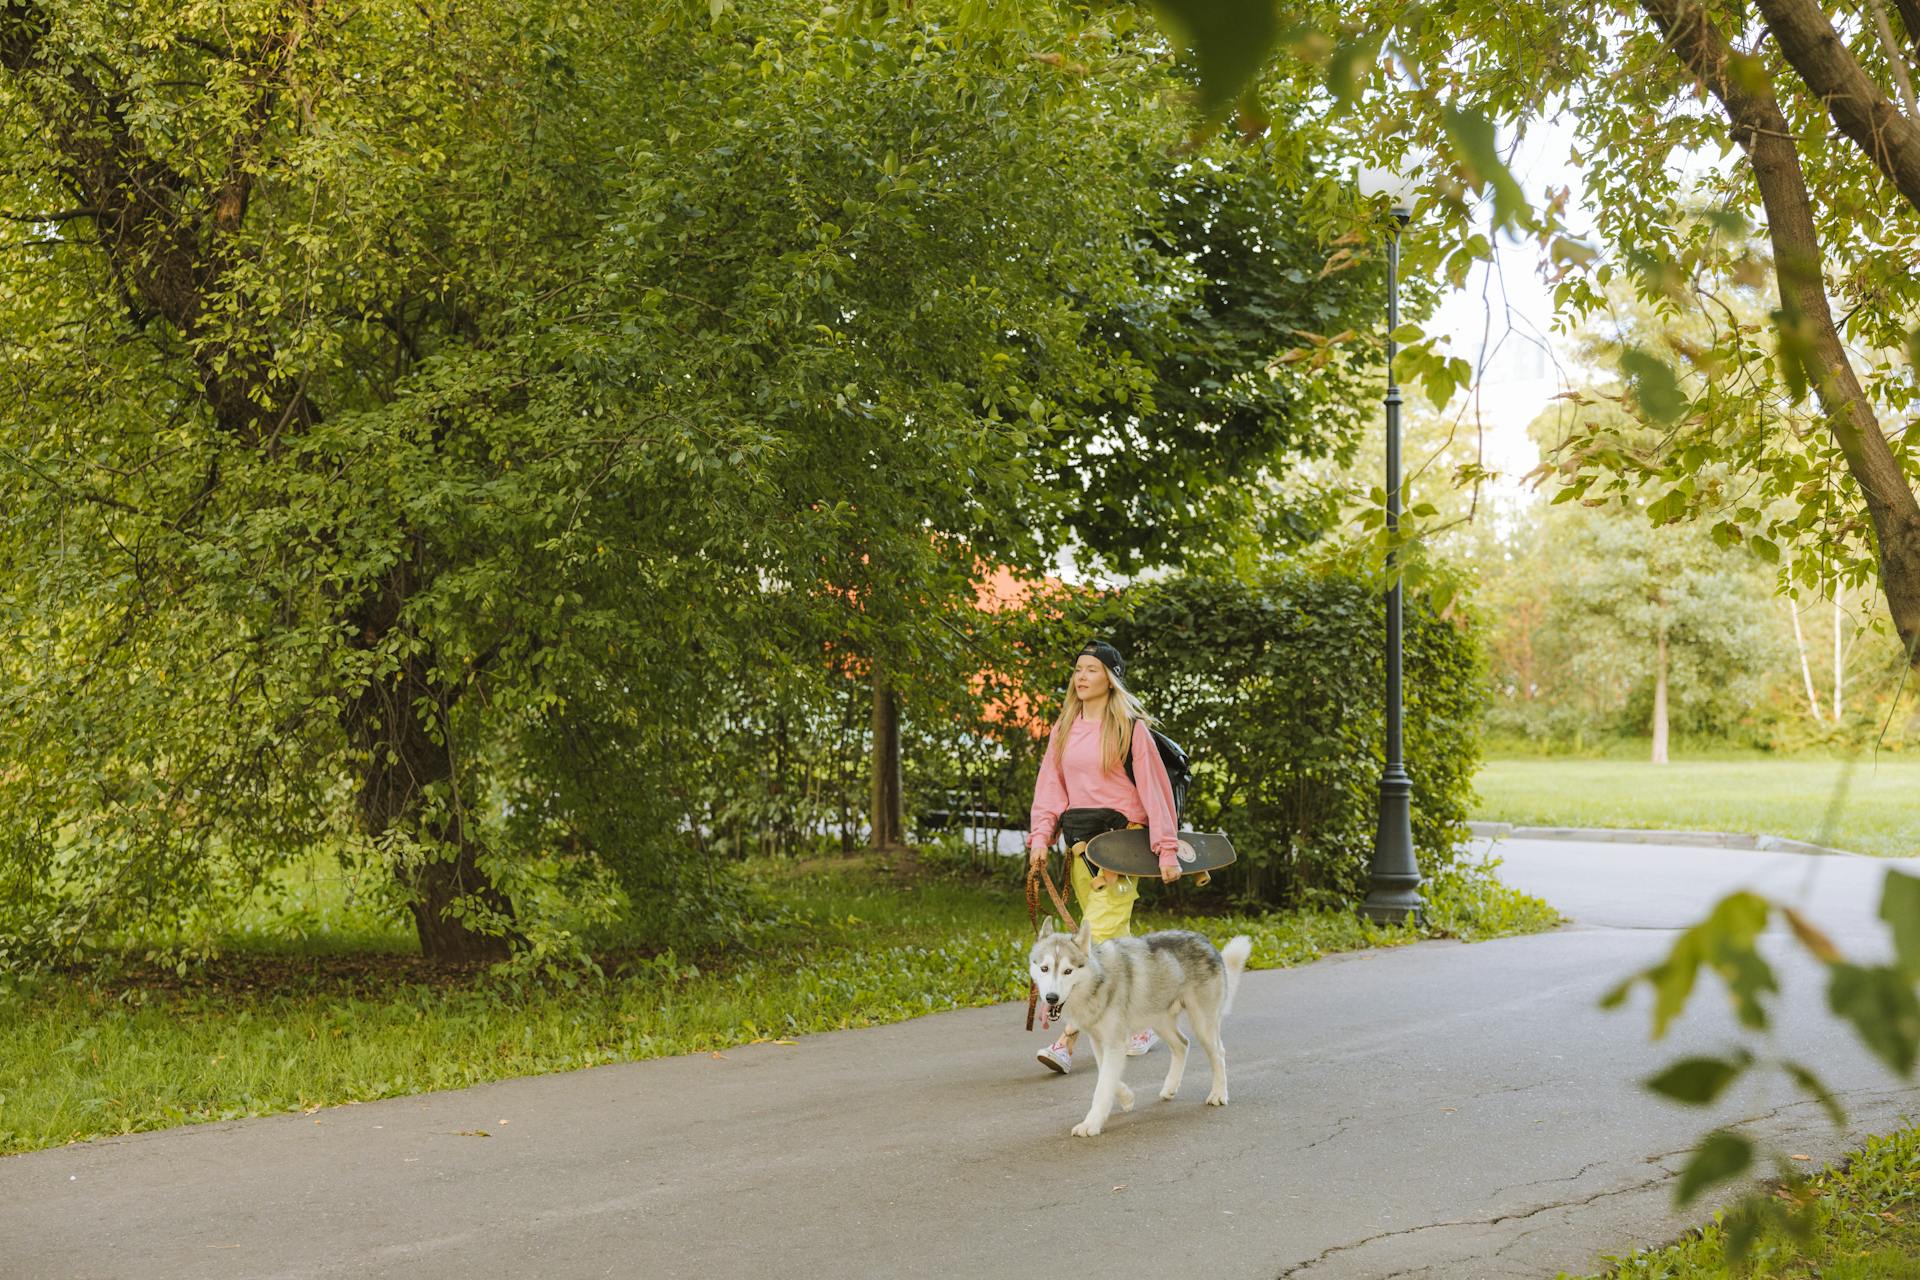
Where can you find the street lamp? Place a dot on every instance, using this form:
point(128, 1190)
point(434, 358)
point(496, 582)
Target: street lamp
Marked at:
point(1393, 889)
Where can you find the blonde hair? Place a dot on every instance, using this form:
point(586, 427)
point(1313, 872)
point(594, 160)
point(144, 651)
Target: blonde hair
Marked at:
point(1116, 726)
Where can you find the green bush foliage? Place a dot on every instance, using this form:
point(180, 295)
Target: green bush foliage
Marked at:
point(1275, 688)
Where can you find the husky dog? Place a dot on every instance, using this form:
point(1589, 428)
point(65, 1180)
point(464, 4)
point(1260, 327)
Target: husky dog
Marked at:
point(1113, 989)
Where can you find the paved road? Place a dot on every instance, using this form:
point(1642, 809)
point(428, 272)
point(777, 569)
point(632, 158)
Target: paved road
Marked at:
point(1433, 1111)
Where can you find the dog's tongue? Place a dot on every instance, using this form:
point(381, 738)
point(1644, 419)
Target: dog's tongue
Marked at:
point(1046, 1018)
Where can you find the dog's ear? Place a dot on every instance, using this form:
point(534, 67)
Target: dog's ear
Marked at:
point(1046, 926)
point(1083, 936)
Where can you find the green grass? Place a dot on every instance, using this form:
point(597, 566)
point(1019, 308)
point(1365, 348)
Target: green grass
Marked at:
point(1864, 1219)
point(1864, 807)
point(271, 1029)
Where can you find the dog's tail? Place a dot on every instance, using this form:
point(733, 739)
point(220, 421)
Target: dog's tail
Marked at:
point(1234, 956)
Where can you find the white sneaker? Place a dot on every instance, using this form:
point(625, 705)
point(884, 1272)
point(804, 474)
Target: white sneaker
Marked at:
point(1142, 1044)
point(1057, 1056)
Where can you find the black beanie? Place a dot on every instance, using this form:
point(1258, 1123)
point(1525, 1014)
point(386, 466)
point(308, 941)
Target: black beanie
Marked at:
point(1107, 654)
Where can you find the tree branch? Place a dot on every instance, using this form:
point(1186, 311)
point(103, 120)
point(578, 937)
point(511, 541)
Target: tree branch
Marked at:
point(168, 255)
point(1910, 19)
point(1863, 112)
point(61, 215)
point(1896, 58)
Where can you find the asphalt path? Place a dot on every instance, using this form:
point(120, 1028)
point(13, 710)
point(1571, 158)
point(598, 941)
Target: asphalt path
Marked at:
point(1440, 1110)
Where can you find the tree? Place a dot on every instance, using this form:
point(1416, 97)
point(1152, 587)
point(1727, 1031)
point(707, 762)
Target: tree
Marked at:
point(1833, 170)
point(1644, 626)
point(422, 418)
point(1252, 326)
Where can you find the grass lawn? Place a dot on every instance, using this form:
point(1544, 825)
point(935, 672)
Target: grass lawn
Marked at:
point(1865, 1220)
point(267, 1029)
point(1865, 807)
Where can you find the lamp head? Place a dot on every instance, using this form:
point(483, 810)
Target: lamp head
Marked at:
point(1397, 186)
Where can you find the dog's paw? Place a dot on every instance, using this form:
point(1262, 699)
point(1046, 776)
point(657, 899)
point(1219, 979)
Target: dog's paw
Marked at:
point(1218, 1098)
point(1125, 1095)
point(1169, 1093)
point(1086, 1130)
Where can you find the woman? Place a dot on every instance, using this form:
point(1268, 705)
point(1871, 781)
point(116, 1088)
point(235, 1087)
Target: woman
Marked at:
point(1083, 790)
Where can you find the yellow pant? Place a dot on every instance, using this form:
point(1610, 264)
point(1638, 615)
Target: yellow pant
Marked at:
point(1108, 911)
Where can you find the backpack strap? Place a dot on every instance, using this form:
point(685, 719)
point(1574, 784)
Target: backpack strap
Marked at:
point(1154, 738)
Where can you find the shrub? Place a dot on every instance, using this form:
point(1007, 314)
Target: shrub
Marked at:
point(1275, 687)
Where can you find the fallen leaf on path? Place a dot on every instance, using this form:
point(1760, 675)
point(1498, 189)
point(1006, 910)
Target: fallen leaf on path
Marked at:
point(1802, 1157)
point(1121, 1187)
point(786, 1042)
point(473, 1133)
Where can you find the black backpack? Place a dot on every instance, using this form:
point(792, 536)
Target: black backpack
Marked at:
point(1179, 769)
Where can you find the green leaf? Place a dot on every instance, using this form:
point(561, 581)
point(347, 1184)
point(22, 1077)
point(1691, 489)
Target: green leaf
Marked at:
point(1900, 908)
point(1730, 223)
point(1721, 1157)
point(1880, 1004)
point(1726, 942)
point(1805, 1078)
point(1653, 386)
point(1353, 57)
point(1577, 252)
point(1698, 1081)
point(1748, 1221)
point(1227, 40)
point(1476, 144)
point(1798, 355)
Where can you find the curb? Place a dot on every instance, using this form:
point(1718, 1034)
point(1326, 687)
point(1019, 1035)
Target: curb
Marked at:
point(1694, 839)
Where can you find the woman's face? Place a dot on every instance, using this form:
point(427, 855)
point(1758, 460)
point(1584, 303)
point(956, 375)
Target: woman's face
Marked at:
point(1090, 677)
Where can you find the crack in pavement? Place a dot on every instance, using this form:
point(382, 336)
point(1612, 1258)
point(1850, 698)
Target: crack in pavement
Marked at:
point(1665, 1176)
point(1339, 1127)
point(1541, 1182)
point(1324, 1254)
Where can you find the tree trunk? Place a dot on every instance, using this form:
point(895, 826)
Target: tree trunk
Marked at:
point(1839, 655)
point(1660, 694)
point(888, 827)
point(842, 770)
point(403, 761)
point(1806, 671)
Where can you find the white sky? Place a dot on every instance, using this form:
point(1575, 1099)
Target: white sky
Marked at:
point(1502, 320)
point(1507, 308)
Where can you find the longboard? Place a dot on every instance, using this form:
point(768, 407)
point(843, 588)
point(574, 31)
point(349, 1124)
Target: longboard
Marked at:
point(1129, 852)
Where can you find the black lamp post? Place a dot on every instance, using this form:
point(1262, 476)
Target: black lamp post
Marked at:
point(1393, 889)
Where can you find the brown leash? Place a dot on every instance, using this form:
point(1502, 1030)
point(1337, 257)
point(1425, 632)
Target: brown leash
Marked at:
point(1035, 877)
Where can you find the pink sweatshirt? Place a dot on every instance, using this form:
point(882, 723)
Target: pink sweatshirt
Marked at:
point(1078, 782)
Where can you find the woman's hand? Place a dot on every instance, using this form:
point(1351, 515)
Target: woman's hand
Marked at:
point(1169, 874)
point(1037, 857)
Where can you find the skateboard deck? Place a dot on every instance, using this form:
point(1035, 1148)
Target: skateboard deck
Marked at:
point(1129, 853)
